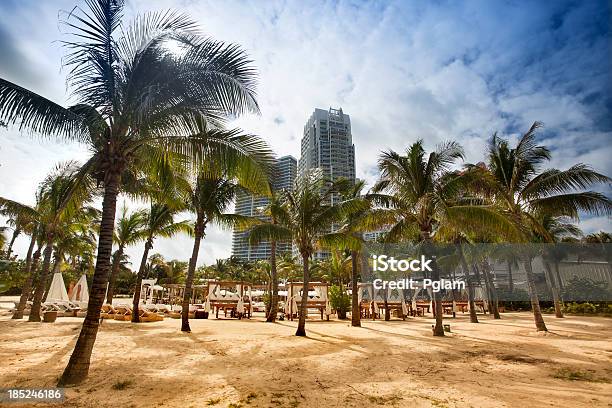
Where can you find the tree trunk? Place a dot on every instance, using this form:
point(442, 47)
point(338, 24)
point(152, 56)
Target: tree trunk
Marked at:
point(559, 281)
point(510, 281)
point(533, 297)
point(355, 306)
point(273, 309)
point(199, 232)
point(435, 275)
point(78, 366)
point(42, 281)
point(139, 277)
point(27, 285)
point(492, 291)
point(301, 329)
point(553, 289)
point(470, 287)
point(386, 303)
point(16, 233)
point(110, 293)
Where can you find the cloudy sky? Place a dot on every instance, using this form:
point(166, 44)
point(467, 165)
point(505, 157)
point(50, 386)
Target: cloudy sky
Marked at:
point(402, 70)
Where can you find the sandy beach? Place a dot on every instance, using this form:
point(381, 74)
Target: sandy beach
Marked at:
point(230, 363)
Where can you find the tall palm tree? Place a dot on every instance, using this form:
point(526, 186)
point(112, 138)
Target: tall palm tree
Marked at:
point(159, 222)
point(514, 180)
point(367, 219)
point(136, 99)
point(208, 197)
point(306, 217)
point(422, 192)
point(129, 231)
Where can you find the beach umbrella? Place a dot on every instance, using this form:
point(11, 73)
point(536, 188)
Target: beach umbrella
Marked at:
point(80, 293)
point(57, 291)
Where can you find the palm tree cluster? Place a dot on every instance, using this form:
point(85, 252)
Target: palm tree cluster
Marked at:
point(153, 99)
point(140, 105)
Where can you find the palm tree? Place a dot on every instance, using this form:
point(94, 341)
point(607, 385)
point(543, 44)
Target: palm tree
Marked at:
point(272, 211)
point(209, 198)
point(422, 192)
point(512, 178)
point(306, 217)
point(129, 231)
point(60, 199)
point(137, 100)
point(159, 222)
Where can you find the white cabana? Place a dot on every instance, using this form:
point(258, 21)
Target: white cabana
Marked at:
point(57, 291)
point(80, 293)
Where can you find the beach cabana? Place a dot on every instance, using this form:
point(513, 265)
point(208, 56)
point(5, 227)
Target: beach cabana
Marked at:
point(318, 298)
point(80, 293)
point(57, 290)
point(232, 296)
point(372, 300)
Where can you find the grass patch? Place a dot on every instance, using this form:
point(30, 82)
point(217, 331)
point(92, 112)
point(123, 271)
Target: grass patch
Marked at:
point(384, 399)
point(250, 397)
point(573, 375)
point(122, 385)
point(213, 401)
point(232, 405)
point(516, 358)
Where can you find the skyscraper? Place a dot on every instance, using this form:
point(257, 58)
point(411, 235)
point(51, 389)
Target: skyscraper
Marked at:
point(249, 205)
point(327, 144)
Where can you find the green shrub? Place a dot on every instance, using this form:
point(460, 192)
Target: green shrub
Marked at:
point(339, 300)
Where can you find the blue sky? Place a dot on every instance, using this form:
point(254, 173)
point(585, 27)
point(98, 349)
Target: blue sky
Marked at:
point(402, 70)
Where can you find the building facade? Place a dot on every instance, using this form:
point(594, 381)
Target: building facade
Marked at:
point(285, 173)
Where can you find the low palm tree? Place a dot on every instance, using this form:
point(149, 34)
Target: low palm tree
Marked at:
point(129, 231)
point(158, 223)
point(514, 181)
point(422, 192)
point(306, 217)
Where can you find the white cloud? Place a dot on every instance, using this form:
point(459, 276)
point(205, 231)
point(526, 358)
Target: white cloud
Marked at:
point(402, 70)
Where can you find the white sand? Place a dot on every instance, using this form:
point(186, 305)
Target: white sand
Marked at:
point(257, 364)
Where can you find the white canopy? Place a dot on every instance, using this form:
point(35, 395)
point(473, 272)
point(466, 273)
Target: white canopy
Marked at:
point(57, 291)
point(80, 292)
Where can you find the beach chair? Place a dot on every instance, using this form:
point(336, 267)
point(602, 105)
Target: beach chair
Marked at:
point(107, 311)
point(147, 316)
point(124, 313)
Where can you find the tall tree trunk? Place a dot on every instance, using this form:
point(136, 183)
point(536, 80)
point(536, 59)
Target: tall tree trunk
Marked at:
point(16, 233)
point(273, 309)
point(486, 269)
point(559, 280)
point(553, 289)
point(139, 277)
point(199, 232)
point(435, 275)
point(27, 285)
point(355, 306)
point(533, 296)
point(110, 293)
point(470, 287)
point(510, 280)
point(78, 366)
point(42, 281)
point(386, 303)
point(301, 329)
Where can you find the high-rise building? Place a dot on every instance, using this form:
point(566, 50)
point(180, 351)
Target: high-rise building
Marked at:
point(249, 205)
point(327, 145)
